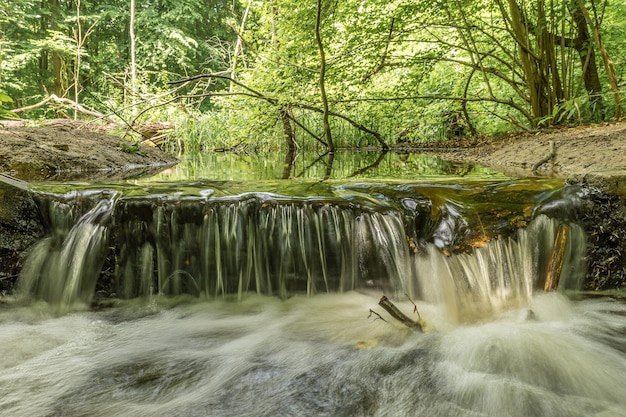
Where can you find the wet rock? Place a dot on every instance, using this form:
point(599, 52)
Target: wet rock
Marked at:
point(20, 227)
point(610, 181)
point(604, 220)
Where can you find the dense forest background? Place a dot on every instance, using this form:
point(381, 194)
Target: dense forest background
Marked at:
point(318, 73)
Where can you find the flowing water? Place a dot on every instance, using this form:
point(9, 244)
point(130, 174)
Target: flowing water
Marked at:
point(225, 298)
point(313, 356)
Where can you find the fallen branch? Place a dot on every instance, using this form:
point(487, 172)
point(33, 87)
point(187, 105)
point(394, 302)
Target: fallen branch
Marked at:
point(550, 156)
point(66, 101)
point(250, 92)
point(557, 258)
point(400, 316)
point(153, 131)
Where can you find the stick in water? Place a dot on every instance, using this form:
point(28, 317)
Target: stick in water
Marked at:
point(398, 315)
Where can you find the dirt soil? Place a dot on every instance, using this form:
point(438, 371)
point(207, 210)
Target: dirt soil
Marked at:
point(65, 154)
point(594, 154)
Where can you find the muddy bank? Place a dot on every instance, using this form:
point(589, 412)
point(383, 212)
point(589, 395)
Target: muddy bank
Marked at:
point(57, 154)
point(66, 154)
point(593, 155)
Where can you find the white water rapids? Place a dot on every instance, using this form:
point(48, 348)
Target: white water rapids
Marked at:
point(313, 356)
point(278, 320)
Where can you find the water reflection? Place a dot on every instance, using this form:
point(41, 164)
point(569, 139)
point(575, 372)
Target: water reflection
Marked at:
point(303, 165)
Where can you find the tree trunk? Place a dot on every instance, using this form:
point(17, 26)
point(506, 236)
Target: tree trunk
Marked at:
point(133, 63)
point(77, 63)
point(59, 81)
point(528, 64)
point(609, 65)
point(548, 67)
point(57, 74)
point(322, 82)
point(285, 112)
point(238, 47)
point(290, 142)
point(586, 52)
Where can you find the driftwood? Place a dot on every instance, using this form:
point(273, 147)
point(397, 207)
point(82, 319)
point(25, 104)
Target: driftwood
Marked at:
point(555, 267)
point(154, 131)
point(400, 316)
point(550, 157)
point(148, 131)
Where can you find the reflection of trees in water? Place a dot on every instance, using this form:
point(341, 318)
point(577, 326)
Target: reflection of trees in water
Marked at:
point(371, 166)
point(328, 163)
point(330, 159)
point(361, 163)
point(307, 164)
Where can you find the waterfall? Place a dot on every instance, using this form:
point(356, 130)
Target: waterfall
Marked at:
point(63, 267)
point(502, 274)
point(268, 244)
point(260, 244)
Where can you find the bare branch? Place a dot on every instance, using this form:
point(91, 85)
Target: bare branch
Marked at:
point(398, 315)
point(256, 94)
point(378, 316)
point(66, 101)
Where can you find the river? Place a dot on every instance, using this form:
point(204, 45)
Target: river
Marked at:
point(313, 356)
point(309, 338)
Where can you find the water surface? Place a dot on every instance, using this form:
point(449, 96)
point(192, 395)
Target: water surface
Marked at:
point(496, 345)
point(319, 356)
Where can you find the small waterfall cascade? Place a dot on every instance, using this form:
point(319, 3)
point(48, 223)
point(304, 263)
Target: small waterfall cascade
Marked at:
point(64, 266)
point(502, 274)
point(259, 243)
point(411, 241)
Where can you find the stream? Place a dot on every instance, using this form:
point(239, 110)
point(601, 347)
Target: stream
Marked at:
point(195, 294)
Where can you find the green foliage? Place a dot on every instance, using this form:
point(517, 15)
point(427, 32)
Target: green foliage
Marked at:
point(39, 43)
point(4, 113)
point(407, 70)
point(131, 147)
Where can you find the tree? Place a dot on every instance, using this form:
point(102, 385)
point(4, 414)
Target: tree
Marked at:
point(47, 50)
point(347, 73)
point(322, 78)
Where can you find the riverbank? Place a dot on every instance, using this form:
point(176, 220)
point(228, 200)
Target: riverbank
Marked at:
point(61, 153)
point(593, 155)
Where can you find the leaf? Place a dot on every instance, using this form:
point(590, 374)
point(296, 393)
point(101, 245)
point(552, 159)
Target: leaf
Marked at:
point(5, 98)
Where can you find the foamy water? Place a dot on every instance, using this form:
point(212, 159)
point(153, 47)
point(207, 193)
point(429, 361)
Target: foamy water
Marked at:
point(312, 356)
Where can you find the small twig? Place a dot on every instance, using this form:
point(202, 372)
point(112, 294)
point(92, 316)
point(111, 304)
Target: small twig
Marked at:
point(378, 316)
point(414, 306)
point(547, 158)
point(398, 315)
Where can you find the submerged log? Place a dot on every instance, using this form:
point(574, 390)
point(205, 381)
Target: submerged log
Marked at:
point(555, 267)
point(400, 316)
